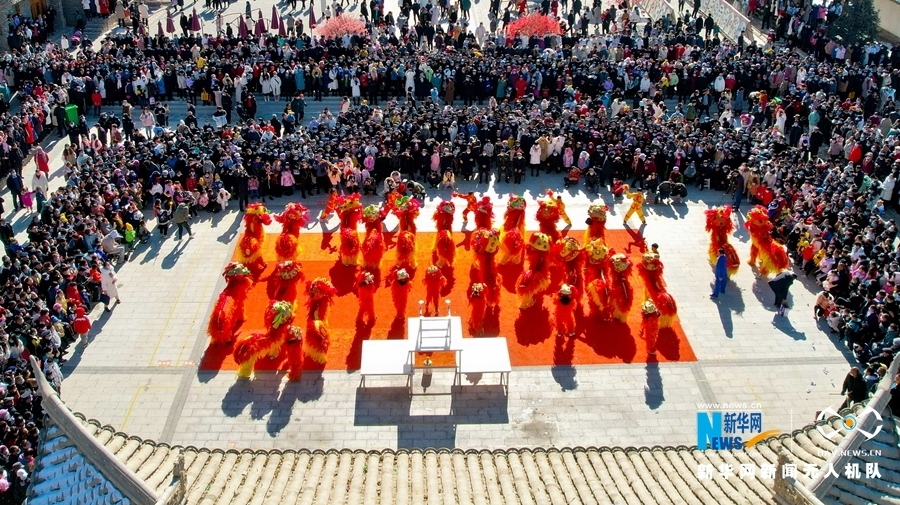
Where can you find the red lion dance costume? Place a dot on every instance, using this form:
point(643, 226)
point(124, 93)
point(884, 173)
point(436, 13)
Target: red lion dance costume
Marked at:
point(720, 226)
point(595, 269)
point(399, 280)
point(512, 234)
point(434, 281)
point(596, 222)
point(484, 213)
point(485, 244)
point(650, 322)
point(294, 218)
point(350, 211)
point(318, 338)
point(228, 314)
point(250, 246)
point(621, 293)
point(279, 332)
point(282, 283)
point(476, 298)
point(407, 210)
point(330, 206)
point(651, 272)
point(365, 290)
point(373, 244)
point(770, 254)
point(566, 302)
point(444, 252)
point(536, 279)
point(569, 259)
point(548, 216)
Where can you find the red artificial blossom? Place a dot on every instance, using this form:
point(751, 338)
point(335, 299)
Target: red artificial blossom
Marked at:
point(341, 25)
point(534, 24)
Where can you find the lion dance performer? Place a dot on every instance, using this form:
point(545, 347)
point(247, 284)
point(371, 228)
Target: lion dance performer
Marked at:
point(565, 302)
point(350, 211)
point(618, 278)
point(651, 272)
point(330, 206)
point(476, 296)
point(407, 210)
point(561, 206)
point(444, 252)
point(434, 282)
point(373, 244)
point(650, 323)
point(512, 234)
point(548, 217)
point(765, 252)
point(596, 285)
point(569, 259)
point(720, 226)
point(485, 244)
point(484, 213)
point(399, 280)
point(282, 283)
point(279, 332)
point(596, 222)
point(637, 204)
point(365, 290)
point(536, 278)
point(228, 313)
point(251, 243)
point(471, 204)
point(318, 338)
point(294, 218)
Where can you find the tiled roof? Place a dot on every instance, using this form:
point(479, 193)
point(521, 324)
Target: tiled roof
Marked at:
point(514, 476)
point(528, 476)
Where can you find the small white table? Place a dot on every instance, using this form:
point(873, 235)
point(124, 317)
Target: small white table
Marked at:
point(387, 357)
point(484, 355)
point(434, 334)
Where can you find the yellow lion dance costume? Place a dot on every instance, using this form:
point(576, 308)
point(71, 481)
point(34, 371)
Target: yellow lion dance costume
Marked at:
point(250, 246)
point(548, 216)
point(621, 293)
point(293, 219)
point(596, 222)
point(512, 233)
point(720, 226)
point(279, 332)
point(766, 253)
point(535, 280)
point(485, 244)
point(350, 212)
point(651, 272)
point(318, 337)
point(596, 285)
point(444, 251)
point(407, 210)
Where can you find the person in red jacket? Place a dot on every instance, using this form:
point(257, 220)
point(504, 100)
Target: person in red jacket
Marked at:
point(81, 325)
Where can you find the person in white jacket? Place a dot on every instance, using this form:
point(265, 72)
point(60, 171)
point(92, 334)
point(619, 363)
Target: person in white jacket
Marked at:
point(275, 84)
point(41, 188)
point(108, 284)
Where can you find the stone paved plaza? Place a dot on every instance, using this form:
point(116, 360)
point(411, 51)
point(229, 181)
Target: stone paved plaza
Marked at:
point(140, 372)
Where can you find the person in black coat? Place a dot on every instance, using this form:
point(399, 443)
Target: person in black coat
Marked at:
point(15, 185)
point(854, 387)
point(781, 285)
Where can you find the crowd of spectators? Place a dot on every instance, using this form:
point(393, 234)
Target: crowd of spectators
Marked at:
point(813, 136)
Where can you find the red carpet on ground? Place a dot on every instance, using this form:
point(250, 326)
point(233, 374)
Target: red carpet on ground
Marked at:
point(530, 334)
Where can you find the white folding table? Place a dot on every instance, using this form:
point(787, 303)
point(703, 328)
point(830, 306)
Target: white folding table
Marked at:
point(387, 357)
point(484, 355)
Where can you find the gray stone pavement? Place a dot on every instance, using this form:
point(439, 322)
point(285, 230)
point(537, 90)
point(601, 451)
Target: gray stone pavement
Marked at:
point(140, 373)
